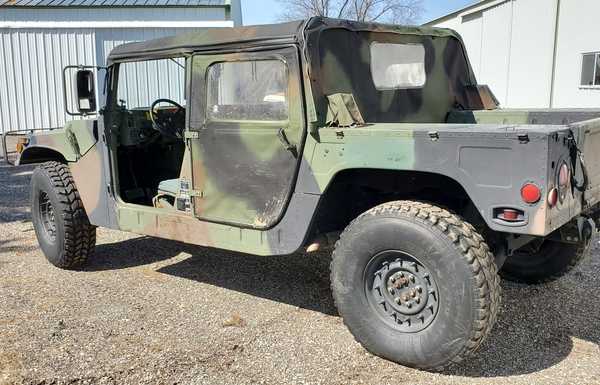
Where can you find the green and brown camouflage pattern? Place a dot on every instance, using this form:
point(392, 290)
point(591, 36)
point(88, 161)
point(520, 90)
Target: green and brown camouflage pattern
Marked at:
point(251, 194)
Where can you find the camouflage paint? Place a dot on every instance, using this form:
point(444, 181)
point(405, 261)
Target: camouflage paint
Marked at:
point(242, 169)
point(406, 130)
point(72, 141)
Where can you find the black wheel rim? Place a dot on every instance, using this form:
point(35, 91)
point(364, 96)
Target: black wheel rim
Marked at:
point(46, 216)
point(401, 290)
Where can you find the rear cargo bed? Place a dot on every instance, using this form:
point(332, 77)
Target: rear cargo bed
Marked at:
point(524, 116)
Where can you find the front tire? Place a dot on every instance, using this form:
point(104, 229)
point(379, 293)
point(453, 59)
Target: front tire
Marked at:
point(545, 262)
point(415, 284)
point(59, 219)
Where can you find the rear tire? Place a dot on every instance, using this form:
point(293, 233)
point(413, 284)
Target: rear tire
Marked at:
point(415, 284)
point(549, 262)
point(59, 219)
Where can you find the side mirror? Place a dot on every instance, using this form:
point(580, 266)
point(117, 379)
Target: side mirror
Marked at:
point(85, 83)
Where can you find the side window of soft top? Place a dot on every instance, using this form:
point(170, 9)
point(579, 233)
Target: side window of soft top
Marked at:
point(398, 66)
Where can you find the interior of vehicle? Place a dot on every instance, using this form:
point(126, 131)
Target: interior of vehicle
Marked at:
point(151, 98)
point(152, 112)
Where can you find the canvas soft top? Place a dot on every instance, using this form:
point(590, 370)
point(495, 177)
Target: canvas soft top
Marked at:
point(207, 39)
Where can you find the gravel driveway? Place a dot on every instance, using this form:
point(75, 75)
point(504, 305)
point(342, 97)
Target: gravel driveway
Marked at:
point(160, 312)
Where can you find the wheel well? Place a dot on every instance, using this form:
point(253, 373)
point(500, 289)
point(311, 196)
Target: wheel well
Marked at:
point(355, 191)
point(39, 155)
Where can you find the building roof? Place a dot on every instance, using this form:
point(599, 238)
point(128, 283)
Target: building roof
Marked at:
point(205, 39)
point(474, 6)
point(114, 3)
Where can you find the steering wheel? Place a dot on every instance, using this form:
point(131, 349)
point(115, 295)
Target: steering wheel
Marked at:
point(169, 123)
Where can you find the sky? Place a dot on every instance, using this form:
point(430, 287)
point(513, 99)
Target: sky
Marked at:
point(267, 11)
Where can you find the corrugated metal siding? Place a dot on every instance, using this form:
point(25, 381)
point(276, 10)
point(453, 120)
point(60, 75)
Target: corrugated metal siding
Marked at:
point(33, 54)
point(31, 95)
point(142, 83)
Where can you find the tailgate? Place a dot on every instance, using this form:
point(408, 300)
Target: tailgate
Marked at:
point(587, 136)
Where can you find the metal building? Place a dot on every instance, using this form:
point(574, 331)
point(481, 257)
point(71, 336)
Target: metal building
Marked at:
point(533, 53)
point(40, 37)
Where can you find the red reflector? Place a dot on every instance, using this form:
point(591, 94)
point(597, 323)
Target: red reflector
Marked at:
point(510, 215)
point(531, 193)
point(552, 197)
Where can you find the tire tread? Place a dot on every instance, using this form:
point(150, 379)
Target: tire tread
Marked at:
point(475, 252)
point(80, 235)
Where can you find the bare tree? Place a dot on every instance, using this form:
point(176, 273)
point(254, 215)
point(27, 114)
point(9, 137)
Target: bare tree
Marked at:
point(391, 11)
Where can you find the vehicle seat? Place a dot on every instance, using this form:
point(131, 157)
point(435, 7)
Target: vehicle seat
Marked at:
point(169, 187)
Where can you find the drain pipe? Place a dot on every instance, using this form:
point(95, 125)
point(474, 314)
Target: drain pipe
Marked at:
point(554, 54)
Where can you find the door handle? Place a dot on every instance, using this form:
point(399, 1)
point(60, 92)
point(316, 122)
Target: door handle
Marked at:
point(286, 143)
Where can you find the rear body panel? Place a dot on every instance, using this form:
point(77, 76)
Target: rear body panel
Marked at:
point(491, 163)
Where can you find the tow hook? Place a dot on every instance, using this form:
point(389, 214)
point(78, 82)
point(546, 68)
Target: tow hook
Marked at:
point(586, 226)
point(580, 229)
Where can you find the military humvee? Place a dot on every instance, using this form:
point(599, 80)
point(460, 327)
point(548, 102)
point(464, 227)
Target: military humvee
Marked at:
point(290, 137)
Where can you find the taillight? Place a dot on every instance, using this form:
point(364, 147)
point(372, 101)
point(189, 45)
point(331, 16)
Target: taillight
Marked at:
point(531, 193)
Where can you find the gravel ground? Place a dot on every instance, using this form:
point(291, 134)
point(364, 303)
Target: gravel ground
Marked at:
point(149, 311)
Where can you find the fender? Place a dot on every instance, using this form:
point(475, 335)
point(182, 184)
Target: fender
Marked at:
point(64, 144)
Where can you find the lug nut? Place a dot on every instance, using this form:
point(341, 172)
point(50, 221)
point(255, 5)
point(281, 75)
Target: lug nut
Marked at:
point(398, 301)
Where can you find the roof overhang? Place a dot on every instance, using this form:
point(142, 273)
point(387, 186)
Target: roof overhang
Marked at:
point(117, 24)
point(29, 4)
point(478, 6)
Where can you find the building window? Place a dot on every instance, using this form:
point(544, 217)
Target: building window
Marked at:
point(590, 72)
point(395, 66)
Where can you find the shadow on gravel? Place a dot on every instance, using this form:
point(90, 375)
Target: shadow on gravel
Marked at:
point(14, 189)
point(10, 246)
point(537, 324)
point(534, 330)
point(299, 280)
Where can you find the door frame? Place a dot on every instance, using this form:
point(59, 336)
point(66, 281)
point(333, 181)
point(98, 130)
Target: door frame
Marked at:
point(197, 121)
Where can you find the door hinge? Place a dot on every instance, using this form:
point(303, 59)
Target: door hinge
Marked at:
point(286, 143)
point(191, 135)
point(523, 138)
point(196, 193)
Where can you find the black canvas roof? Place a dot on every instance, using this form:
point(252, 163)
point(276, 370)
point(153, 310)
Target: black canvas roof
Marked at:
point(241, 37)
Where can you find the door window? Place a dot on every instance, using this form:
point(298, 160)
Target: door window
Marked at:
point(247, 91)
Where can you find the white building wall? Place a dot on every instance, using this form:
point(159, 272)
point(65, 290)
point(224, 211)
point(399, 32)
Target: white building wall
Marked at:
point(511, 47)
point(531, 53)
point(495, 49)
point(577, 34)
point(35, 45)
